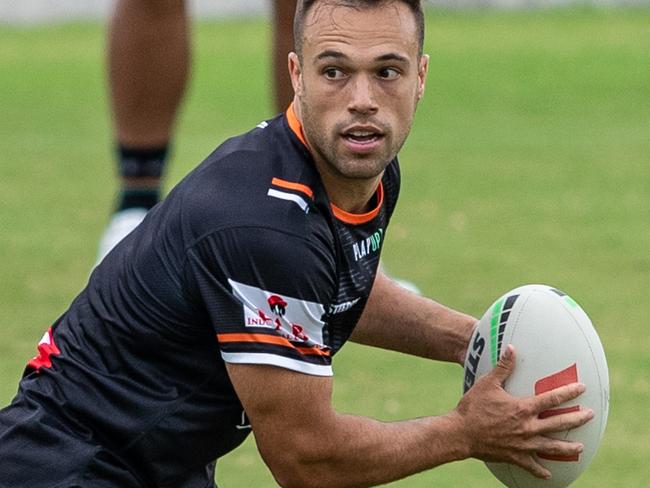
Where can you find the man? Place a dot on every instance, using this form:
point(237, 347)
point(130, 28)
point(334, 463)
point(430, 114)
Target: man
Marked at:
point(272, 246)
point(148, 67)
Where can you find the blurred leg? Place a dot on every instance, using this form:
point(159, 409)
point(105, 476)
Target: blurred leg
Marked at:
point(283, 11)
point(148, 67)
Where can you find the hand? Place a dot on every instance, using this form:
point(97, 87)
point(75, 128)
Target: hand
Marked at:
point(504, 428)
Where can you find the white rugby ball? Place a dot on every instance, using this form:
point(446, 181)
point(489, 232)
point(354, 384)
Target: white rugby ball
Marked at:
point(555, 344)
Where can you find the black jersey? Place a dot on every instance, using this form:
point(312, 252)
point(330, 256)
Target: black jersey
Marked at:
point(245, 261)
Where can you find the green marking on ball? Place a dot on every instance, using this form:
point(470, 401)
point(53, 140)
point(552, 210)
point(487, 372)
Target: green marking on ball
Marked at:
point(494, 330)
point(570, 301)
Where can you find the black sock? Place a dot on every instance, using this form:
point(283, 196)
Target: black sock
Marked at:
point(144, 164)
point(138, 198)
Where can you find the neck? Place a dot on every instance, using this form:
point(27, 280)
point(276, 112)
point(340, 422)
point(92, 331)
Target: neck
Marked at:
point(353, 195)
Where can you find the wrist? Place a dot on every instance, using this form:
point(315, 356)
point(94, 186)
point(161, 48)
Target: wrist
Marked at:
point(447, 439)
point(461, 446)
point(468, 329)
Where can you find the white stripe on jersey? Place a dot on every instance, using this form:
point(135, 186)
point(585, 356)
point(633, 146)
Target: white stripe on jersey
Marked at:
point(281, 361)
point(291, 197)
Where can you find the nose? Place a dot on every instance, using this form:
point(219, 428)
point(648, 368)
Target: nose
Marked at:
point(362, 99)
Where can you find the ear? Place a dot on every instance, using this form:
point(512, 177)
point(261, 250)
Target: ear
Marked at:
point(423, 69)
point(295, 72)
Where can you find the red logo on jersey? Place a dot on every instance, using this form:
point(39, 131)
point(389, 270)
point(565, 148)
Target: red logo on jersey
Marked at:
point(299, 332)
point(263, 316)
point(261, 320)
point(46, 348)
point(277, 304)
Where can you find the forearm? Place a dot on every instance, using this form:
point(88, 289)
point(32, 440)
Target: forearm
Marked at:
point(399, 320)
point(358, 451)
point(306, 443)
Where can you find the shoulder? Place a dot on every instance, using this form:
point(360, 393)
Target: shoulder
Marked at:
point(258, 179)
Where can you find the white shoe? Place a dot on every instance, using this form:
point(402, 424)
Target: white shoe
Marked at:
point(120, 225)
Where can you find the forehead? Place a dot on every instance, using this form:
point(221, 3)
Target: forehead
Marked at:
point(388, 27)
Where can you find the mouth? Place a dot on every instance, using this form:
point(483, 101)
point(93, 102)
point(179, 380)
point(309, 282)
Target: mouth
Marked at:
point(362, 139)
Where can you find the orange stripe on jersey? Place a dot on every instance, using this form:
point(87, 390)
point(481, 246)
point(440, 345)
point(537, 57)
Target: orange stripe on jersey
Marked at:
point(293, 186)
point(313, 351)
point(295, 125)
point(356, 219)
point(270, 339)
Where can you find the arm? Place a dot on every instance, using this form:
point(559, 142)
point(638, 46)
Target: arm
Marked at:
point(306, 443)
point(399, 320)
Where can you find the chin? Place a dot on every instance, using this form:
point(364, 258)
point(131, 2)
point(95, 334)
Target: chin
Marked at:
point(362, 169)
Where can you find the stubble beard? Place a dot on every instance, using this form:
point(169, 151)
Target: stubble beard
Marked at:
point(327, 146)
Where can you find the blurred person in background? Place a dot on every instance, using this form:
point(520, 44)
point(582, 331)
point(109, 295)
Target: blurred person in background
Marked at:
point(149, 58)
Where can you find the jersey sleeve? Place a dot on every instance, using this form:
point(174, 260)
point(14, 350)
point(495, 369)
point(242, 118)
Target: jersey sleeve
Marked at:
point(265, 292)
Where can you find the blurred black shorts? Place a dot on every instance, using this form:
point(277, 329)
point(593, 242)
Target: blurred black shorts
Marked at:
point(39, 450)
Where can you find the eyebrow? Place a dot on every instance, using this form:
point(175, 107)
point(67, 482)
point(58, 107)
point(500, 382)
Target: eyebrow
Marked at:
point(331, 53)
point(392, 57)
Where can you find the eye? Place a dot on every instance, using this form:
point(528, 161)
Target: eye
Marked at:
point(333, 74)
point(388, 73)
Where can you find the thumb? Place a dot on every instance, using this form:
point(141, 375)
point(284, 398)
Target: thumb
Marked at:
point(505, 366)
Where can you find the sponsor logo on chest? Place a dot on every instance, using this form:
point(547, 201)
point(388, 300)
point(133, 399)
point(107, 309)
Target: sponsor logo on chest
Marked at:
point(368, 245)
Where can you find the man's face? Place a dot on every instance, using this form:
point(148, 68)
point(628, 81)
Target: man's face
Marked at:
point(357, 85)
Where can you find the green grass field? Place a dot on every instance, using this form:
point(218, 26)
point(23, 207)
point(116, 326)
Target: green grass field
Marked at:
point(528, 162)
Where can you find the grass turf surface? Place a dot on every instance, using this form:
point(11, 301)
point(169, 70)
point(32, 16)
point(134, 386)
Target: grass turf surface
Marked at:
point(528, 162)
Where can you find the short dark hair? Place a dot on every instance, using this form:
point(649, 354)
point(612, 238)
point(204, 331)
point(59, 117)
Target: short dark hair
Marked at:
point(304, 6)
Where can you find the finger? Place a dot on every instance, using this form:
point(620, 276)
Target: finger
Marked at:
point(558, 396)
point(505, 366)
point(530, 464)
point(555, 447)
point(564, 421)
